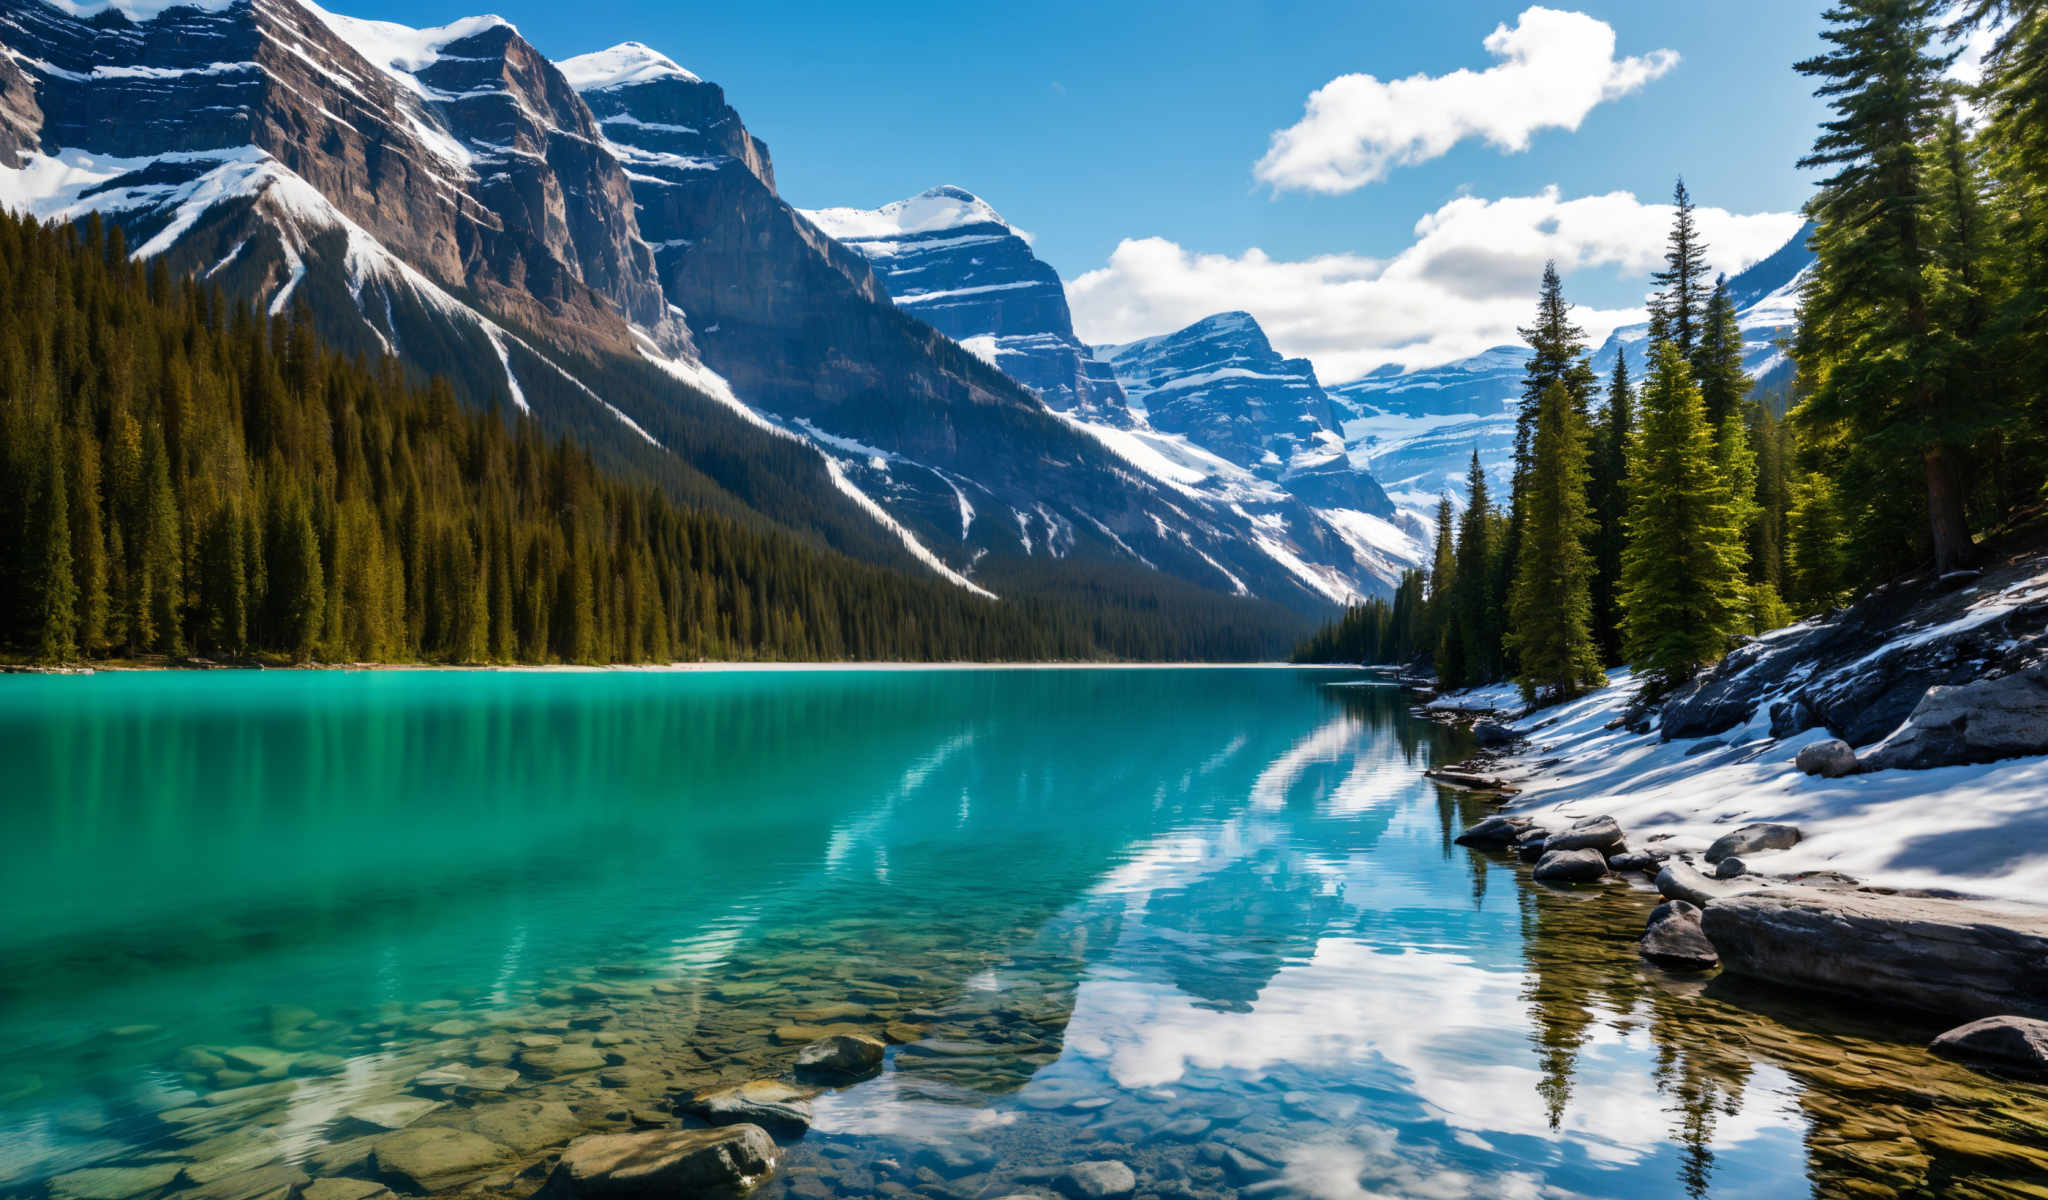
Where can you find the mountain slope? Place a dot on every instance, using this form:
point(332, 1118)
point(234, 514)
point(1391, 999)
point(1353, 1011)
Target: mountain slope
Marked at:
point(951, 260)
point(1416, 430)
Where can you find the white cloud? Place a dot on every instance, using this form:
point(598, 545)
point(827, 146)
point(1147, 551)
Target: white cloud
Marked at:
point(1555, 67)
point(1464, 284)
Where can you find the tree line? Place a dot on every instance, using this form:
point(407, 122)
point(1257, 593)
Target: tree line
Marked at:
point(1657, 524)
point(181, 476)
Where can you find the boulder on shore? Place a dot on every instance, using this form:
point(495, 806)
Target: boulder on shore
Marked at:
point(1751, 838)
point(1593, 833)
point(1941, 956)
point(1830, 758)
point(1570, 866)
point(663, 1162)
point(1673, 938)
point(1494, 833)
point(1490, 732)
point(1977, 722)
point(1680, 880)
point(2010, 1045)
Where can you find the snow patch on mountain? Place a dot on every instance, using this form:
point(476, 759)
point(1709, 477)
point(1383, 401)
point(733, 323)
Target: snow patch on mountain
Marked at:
point(620, 65)
point(939, 208)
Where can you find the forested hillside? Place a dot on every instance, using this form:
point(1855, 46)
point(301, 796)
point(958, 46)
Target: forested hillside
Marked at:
point(182, 477)
point(1659, 525)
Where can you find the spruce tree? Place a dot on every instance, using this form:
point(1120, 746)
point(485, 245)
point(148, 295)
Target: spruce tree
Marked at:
point(1682, 593)
point(1557, 354)
point(1679, 304)
point(1550, 610)
point(1475, 615)
point(1608, 492)
point(1717, 363)
point(1867, 338)
point(1443, 566)
point(57, 615)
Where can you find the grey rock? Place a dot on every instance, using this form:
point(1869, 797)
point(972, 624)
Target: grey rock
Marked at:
point(1680, 880)
point(841, 1056)
point(768, 1103)
point(1830, 758)
point(1490, 732)
point(1493, 833)
point(1753, 838)
point(1673, 938)
point(1977, 722)
point(2006, 1044)
point(1570, 866)
point(1943, 956)
point(1639, 862)
point(112, 1183)
point(663, 1163)
point(1099, 1180)
point(340, 1188)
point(551, 1061)
point(1530, 849)
point(1730, 868)
point(1593, 833)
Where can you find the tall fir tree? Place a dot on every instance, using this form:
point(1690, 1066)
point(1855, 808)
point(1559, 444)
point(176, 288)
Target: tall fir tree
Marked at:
point(1608, 492)
point(1717, 361)
point(1679, 304)
point(1682, 593)
point(1867, 344)
point(1550, 610)
point(1475, 621)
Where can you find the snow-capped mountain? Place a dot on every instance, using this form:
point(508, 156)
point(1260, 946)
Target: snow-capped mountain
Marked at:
point(1416, 430)
point(950, 259)
point(600, 244)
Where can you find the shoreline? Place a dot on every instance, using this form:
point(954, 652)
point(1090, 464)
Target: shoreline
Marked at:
point(125, 667)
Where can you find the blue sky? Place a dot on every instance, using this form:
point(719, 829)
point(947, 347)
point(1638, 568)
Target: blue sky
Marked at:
point(1088, 124)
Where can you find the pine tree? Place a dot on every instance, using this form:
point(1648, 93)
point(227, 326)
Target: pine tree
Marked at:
point(1608, 492)
point(1475, 615)
point(1550, 610)
point(1682, 595)
point(57, 616)
point(1717, 364)
point(1679, 304)
point(1557, 354)
point(1867, 339)
point(1444, 562)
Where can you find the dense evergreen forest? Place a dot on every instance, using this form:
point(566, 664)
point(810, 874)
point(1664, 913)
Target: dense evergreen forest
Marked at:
point(182, 477)
point(1657, 524)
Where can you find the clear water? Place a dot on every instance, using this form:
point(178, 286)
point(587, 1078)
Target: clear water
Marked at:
point(1207, 923)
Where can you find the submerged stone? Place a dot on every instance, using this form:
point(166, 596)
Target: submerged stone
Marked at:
point(663, 1163)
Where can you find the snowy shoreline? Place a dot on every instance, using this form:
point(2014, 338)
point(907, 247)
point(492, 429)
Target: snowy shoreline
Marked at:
point(1980, 829)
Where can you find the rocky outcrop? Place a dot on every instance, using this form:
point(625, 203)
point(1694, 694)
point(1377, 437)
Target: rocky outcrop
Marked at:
point(663, 1163)
point(1974, 722)
point(1673, 938)
point(2005, 1044)
point(1940, 956)
point(1861, 673)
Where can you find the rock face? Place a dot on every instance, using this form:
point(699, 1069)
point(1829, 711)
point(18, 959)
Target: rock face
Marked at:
point(1975, 722)
point(1570, 866)
point(1830, 758)
point(1939, 956)
point(1752, 838)
point(1673, 938)
point(1861, 673)
point(2011, 1045)
point(1221, 383)
point(663, 1163)
point(948, 258)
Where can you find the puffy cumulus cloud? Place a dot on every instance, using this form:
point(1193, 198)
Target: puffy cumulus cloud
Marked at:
point(1554, 68)
point(1464, 284)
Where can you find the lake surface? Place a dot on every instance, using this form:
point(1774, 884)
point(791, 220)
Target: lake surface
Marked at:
point(1207, 923)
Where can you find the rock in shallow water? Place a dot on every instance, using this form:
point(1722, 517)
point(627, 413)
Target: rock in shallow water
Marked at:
point(434, 1159)
point(841, 1056)
point(1673, 938)
point(1940, 956)
point(1099, 1180)
point(1570, 866)
point(1752, 838)
point(1493, 833)
point(112, 1183)
point(766, 1102)
point(673, 1163)
point(2012, 1045)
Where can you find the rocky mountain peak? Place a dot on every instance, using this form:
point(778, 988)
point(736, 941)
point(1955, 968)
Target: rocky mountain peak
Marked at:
point(622, 65)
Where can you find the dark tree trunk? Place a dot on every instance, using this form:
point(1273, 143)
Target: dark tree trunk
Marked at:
point(1952, 547)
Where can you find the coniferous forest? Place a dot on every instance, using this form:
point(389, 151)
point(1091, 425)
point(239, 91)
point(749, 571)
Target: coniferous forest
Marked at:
point(182, 477)
point(1656, 520)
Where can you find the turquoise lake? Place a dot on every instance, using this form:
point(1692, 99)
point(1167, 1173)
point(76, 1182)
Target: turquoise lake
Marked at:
point(1208, 923)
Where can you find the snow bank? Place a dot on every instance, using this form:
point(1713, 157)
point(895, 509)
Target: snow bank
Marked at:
point(1978, 829)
